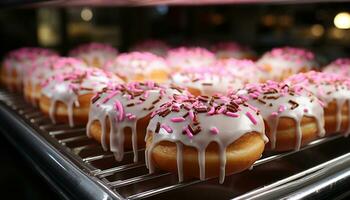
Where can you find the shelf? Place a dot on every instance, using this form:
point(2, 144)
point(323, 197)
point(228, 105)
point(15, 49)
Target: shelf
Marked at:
point(65, 3)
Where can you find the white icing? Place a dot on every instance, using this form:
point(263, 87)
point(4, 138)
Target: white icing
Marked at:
point(287, 59)
point(308, 105)
point(44, 69)
point(186, 58)
point(230, 129)
point(21, 60)
point(130, 65)
point(207, 83)
point(94, 54)
point(328, 88)
point(105, 107)
point(67, 87)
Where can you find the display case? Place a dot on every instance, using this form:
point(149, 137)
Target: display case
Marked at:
point(77, 167)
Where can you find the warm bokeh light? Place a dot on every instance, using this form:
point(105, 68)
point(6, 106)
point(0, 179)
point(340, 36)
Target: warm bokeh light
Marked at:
point(317, 30)
point(86, 14)
point(342, 20)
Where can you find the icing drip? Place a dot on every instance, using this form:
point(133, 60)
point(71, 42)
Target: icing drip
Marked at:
point(94, 54)
point(125, 105)
point(275, 100)
point(131, 65)
point(67, 87)
point(44, 69)
point(190, 57)
point(328, 87)
point(196, 130)
point(20, 60)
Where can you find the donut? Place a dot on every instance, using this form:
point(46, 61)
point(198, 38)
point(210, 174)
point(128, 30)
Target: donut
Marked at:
point(226, 50)
point(139, 66)
point(184, 58)
point(41, 71)
point(334, 91)
point(157, 47)
point(65, 97)
point(281, 63)
point(17, 62)
point(119, 116)
point(204, 137)
point(293, 116)
point(339, 66)
point(245, 70)
point(94, 54)
point(207, 81)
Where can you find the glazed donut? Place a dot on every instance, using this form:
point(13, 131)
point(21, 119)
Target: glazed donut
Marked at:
point(339, 66)
point(245, 70)
point(293, 116)
point(281, 63)
point(334, 91)
point(41, 71)
point(157, 47)
point(94, 54)
point(207, 81)
point(184, 58)
point(139, 66)
point(119, 117)
point(226, 50)
point(66, 96)
point(17, 62)
point(204, 137)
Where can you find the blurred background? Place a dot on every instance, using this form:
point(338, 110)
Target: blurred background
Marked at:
point(323, 27)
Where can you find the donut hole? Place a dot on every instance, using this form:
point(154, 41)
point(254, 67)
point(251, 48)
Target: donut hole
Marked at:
point(286, 133)
point(240, 155)
point(330, 113)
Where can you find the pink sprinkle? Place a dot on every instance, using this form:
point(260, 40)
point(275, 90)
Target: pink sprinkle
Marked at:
point(211, 111)
point(188, 133)
point(130, 116)
point(214, 130)
point(153, 114)
point(255, 109)
point(274, 114)
point(191, 114)
point(221, 110)
point(232, 114)
point(321, 103)
point(119, 107)
point(166, 128)
point(251, 117)
point(306, 110)
point(146, 94)
point(177, 119)
point(110, 95)
point(281, 108)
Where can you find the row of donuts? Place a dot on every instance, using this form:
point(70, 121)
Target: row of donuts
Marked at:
point(202, 128)
point(192, 67)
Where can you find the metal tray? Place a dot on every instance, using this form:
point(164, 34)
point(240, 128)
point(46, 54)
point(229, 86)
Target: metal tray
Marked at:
point(78, 167)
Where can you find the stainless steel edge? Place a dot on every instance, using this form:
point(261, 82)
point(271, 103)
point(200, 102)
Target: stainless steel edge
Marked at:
point(50, 162)
point(312, 182)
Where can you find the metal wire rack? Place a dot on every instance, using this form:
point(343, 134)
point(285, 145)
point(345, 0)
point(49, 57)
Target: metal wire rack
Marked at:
point(272, 176)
